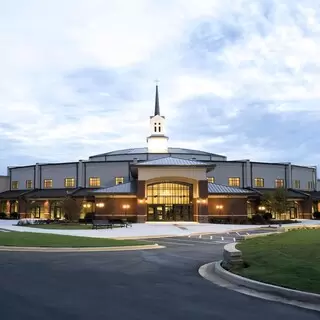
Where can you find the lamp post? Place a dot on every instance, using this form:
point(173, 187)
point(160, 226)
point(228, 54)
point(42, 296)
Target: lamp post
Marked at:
point(125, 207)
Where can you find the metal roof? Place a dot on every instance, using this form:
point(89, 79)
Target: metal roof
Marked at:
point(145, 150)
point(221, 189)
point(171, 161)
point(14, 194)
point(129, 187)
point(291, 193)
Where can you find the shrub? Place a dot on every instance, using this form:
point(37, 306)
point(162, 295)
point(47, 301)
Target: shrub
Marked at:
point(316, 215)
point(14, 215)
point(88, 217)
point(3, 215)
point(267, 216)
point(220, 220)
point(258, 219)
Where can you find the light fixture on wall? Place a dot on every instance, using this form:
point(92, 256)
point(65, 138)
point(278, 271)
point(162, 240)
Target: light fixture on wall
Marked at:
point(262, 208)
point(86, 205)
point(125, 207)
point(219, 207)
point(100, 204)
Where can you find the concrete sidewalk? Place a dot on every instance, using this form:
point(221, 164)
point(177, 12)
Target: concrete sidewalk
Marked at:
point(142, 230)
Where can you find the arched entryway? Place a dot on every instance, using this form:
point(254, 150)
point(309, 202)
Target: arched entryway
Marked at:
point(170, 201)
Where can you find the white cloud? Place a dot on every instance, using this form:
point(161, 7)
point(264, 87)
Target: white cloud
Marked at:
point(246, 51)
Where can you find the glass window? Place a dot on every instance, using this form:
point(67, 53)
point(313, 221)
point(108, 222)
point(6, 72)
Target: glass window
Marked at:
point(310, 185)
point(234, 182)
point(94, 182)
point(279, 183)
point(259, 182)
point(28, 184)
point(14, 185)
point(169, 193)
point(210, 179)
point(296, 184)
point(119, 180)
point(47, 183)
point(69, 182)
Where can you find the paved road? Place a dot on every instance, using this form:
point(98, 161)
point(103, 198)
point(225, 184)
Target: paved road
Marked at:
point(150, 284)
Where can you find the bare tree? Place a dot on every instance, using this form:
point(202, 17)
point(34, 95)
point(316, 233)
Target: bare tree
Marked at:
point(71, 209)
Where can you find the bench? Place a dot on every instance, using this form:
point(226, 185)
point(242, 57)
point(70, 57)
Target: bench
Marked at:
point(102, 224)
point(120, 223)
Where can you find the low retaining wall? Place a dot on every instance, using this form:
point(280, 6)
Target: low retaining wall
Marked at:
point(232, 257)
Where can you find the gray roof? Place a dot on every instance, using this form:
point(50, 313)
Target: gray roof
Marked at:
point(170, 161)
point(145, 150)
point(221, 189)
point(129, 187)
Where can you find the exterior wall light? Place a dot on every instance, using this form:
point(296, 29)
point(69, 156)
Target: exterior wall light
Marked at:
point(219, 207)
point(100, 205)
point(262, 208)
point(125, 207)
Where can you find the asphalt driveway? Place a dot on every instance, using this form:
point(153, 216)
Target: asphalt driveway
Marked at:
point(150, 284)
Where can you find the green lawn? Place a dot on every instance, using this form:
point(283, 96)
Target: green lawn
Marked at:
point(61, 226)
point(30, 239)
point(290, 259)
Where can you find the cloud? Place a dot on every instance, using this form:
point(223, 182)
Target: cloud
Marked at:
point(236, 78)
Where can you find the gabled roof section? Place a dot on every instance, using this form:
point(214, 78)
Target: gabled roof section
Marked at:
point(171, 161)
point(123, 188)
point(291, 193)
point(51, 193)
point(14, 194)
point(214, 188)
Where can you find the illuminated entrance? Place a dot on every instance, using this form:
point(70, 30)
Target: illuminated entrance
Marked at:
point(170, 201)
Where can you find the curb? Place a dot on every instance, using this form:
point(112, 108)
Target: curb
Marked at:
point(257, 235)
point(216, 274)
point(80, 249)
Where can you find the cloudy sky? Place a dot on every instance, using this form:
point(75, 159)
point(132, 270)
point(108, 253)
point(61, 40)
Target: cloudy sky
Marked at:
point(237, 77)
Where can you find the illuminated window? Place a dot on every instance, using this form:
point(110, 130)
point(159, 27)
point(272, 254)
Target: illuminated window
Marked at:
point(47, 183)
point(119, 180)
point(210, 179)
point(94, 182)
point(259, 182)
point(169, 193)
point(69, 182)
point(296, 184)
point(234, 182)
point(14, 185)
point(28, 184)
point(279, 183)
point(310, 185)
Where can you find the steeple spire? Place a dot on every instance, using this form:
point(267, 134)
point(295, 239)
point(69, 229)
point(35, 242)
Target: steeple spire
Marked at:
point(157, 105)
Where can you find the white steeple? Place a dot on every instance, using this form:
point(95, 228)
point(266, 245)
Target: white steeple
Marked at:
point(157, 141)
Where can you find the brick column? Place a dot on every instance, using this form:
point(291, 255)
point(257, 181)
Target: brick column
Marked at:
point(306, 208)
point(141, 203)
point(22, 205)
point(203, 195)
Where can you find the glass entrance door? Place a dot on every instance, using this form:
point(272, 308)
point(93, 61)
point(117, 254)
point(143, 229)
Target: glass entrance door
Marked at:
point(156, 213)
point(170, 201)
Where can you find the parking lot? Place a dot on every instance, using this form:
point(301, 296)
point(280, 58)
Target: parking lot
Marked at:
point(209, 239)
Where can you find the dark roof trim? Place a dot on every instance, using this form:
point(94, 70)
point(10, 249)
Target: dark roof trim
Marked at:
point(21, 167)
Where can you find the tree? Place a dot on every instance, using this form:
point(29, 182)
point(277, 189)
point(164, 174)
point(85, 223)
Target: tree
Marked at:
point(276, 202)
point(30, 207)
point(71, 209)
